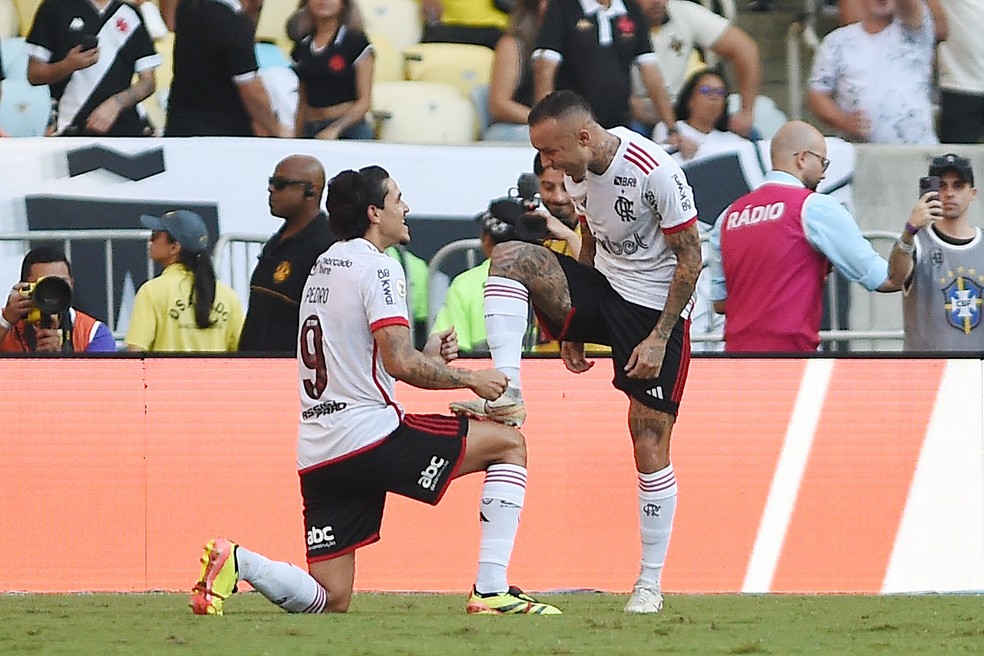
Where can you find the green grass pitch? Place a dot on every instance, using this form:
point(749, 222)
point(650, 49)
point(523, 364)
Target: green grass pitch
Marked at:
point(436, 625)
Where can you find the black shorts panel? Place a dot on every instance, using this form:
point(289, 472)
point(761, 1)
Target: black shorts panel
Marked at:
point(344, 499)
point(599, 315)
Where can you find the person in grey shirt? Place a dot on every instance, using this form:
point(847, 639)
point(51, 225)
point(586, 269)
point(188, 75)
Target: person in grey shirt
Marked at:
point(943, 291)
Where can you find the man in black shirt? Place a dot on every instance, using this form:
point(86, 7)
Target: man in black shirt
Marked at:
point(278, 280)
point(87, 52)
point(590, 46)
point(216, 88)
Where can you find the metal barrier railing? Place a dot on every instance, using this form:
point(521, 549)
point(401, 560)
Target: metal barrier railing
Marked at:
point(108, 236)
point(235, 253)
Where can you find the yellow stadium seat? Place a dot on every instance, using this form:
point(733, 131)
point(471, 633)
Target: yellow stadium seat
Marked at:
point(273, 21)
point(384, 93)
point(389, 64)
point(9, 20)
point(418, 118)
point(465, 66)
point(397, 20)
point(26, 10)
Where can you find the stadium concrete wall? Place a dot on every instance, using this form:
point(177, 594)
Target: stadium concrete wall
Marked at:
point(812, 475)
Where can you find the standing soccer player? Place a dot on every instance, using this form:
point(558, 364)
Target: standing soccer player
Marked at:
point(355, 442)
point(630, 288)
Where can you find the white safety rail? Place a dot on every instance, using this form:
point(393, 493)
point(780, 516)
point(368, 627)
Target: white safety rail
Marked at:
point(802, 33)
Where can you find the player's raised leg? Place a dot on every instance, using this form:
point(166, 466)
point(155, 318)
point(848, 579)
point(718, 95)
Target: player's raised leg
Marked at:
point(519, 273)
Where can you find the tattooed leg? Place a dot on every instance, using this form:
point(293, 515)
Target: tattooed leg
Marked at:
point(537, 269)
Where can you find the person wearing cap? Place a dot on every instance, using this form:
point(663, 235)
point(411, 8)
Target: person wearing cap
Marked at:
point(942, 258)
point(185, 309)
point(771, 251)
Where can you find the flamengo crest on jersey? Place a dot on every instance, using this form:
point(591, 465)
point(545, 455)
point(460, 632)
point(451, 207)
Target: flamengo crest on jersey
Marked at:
point(643, 194)
point(347, 396)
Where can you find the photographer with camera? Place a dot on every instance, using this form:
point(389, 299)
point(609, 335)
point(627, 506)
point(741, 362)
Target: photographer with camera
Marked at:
point(942, 257)
point(38, 316)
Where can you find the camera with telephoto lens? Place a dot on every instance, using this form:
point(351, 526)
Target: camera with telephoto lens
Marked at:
point(51, 295)
point(525, 222)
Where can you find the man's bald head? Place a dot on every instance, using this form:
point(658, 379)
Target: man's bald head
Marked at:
point(799, 149)
point(303, 167)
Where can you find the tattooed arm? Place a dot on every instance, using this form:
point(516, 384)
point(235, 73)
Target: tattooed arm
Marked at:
point(406, 363)
point(646, 359)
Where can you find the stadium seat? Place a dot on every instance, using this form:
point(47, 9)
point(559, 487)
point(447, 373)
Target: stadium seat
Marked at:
point(480, 100)
point(24, 109)
point(397, 20)
point(14, 58)
point(9, 20)
point(439, 118)
point(768, 117)
point(384, 93)
point(466, 66)
point(25, 11)
point(271, 27)
point(389, 64)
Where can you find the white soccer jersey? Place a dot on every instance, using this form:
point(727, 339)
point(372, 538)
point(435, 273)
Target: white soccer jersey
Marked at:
point(629, 207)
point(347, 396)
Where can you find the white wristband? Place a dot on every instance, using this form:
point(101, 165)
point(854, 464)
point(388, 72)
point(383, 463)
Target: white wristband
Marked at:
point(904, 247)
point(6, 325)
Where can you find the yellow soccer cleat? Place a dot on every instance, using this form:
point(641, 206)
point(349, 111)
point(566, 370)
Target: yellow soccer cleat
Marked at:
point(218, 580)
point(512, 602)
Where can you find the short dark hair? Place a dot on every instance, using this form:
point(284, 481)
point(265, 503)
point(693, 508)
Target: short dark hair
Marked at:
point(681, 108)
point(537, 165)
point(350, 193)
point(558, 104)
point(42, 255)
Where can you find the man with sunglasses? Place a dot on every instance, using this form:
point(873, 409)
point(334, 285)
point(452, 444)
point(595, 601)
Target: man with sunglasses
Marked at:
point(771, 251)
point(275, 289)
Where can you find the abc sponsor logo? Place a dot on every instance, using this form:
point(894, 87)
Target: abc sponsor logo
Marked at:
point(428, 477)
point(320, 537)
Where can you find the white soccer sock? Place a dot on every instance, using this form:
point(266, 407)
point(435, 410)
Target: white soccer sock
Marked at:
point(286, 585)
point(506, 315)
point(657, 505)
point(502, 501)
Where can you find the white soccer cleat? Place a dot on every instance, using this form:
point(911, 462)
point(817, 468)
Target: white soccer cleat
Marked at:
point(644, 600)
point(508, 409)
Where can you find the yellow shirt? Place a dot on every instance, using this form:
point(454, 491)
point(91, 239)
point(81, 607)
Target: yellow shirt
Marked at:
point(473, 13)
point(163, 319)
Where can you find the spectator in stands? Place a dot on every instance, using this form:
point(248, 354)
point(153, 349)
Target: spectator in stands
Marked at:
point(334, 66)
point(942, 259)
point(702, 113)
point(961, 63)
point(479, 22)
point(872, 80)
point(23, 326)
point(590, 47)
point(89, 68)
point(772, 248)
point(850, 11)
point(511, 83)
point(185, 309)
point(676, 28)
point(275, 289)
point(216, 89)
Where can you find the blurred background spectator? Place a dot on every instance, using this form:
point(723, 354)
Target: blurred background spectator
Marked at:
point(680, 31)
point(702, 113)
point(479, 22)
point(961, 63)
point(511, 85)
point(872, 80)
point(89, 70)
point(334, 66)
point(216, 90)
